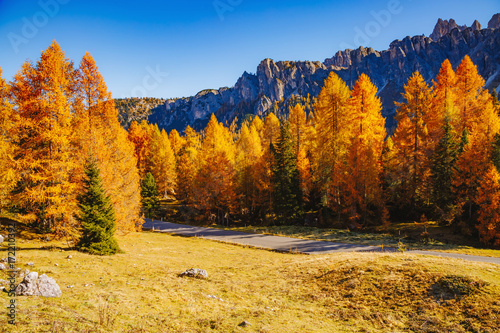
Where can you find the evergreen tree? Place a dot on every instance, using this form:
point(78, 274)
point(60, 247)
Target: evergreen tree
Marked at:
point(96, 215)
point(149, 194)
point(443, 170)
point(286, 179)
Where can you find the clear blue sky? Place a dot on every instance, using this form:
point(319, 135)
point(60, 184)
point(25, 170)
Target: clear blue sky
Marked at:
point(194, 45)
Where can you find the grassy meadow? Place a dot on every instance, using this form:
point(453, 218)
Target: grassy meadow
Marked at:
point(140, 290)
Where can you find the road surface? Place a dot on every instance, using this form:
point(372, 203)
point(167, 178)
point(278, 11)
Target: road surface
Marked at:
point(288, 244)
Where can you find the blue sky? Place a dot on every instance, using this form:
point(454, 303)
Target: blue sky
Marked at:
point(176, 48)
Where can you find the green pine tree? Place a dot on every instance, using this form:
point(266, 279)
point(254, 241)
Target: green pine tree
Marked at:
point(149, 194)
point(442, 171)
point(287, 193)
point(96, 216)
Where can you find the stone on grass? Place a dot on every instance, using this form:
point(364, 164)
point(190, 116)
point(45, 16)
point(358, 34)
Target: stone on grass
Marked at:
point(34, 285)
point(2, 267)
point(195, 273)
point(1, 239)
point(244, 324)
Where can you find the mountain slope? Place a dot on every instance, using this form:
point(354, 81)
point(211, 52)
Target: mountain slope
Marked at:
point(389, 70)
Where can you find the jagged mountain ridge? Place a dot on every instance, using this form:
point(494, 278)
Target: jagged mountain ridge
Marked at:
point(389, 70)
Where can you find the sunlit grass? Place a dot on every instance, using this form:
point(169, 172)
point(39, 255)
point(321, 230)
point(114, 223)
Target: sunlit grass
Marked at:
point(140, 290)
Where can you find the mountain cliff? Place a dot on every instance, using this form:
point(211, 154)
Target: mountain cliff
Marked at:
point(277, 81)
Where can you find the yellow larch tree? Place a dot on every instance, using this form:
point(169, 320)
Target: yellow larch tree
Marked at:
point(8, 174)
point(161, 160)
point(249, 152)
point(445, 95)
point(138, 134)
point(215, 185)
point(332, 137)
point(469, 99)
point(412, 141)
point(363, 166)
point(188, 164)
point(488, 201)
point(102, 138)
point(42, 98)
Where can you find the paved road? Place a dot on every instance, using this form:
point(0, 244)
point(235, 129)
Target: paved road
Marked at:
point(287, 244)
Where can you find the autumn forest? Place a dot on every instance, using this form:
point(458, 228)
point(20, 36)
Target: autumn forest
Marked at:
point(328, 161)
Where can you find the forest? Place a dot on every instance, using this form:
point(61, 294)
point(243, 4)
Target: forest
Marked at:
point(332, 164)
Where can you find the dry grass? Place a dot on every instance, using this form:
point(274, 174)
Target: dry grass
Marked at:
point(140, 290)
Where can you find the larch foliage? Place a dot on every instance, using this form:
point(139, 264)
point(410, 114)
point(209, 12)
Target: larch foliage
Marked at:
point(332, 138)
point(444, 104)
point(162, 162)
point(488, 201)
point(42, 96)
point(412, 141)
point(102, 137)
point(8, 174)
point(363, 186)
point(470, 98)
point(249, 152)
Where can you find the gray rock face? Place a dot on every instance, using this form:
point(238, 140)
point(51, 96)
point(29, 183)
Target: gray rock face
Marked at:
point(388, 69)
point(494, 23)
point(445, 27)
point(34, 285)
point(195, 273)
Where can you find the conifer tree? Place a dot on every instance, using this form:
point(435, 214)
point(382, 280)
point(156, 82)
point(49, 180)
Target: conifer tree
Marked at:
point(363, 163)
point(149, 194)
point(42, 95)
point(332, 137)
point(488, 201)
point(412, 142)
point(8, 174)
point(443, 170)
point(286, 179)
point(496, 152)
point(96, 215)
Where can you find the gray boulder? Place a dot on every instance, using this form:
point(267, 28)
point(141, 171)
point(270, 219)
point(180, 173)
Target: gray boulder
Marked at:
point(34, 285)
point(195, 273)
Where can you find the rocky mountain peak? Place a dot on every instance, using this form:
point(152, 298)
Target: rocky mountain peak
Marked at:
point(494, 23)
point(476, 25)
point(444, 27)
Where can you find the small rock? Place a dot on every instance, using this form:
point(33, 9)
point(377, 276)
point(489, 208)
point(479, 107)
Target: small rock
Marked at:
point(56, 264)
point(70, 287)
point(1, 239)
point(245, 324)
point(142, 279)
point(2, 267)
point(196, 273)
point(34, 285)
point(3, 260)
point(69, 257)
point(30, 264)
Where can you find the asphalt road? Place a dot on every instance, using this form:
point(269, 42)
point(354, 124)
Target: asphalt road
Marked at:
point(287, 244)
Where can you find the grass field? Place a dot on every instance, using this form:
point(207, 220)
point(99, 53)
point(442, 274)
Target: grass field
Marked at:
point(140, 290)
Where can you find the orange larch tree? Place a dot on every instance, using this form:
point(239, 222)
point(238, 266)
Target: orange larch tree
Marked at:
point(332, 137)
point(103, 139)
point(363, 166)
point(42, 96)
point(412, 142)
point(488, 201)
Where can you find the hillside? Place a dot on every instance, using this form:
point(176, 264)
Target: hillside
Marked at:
point(389, 69)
